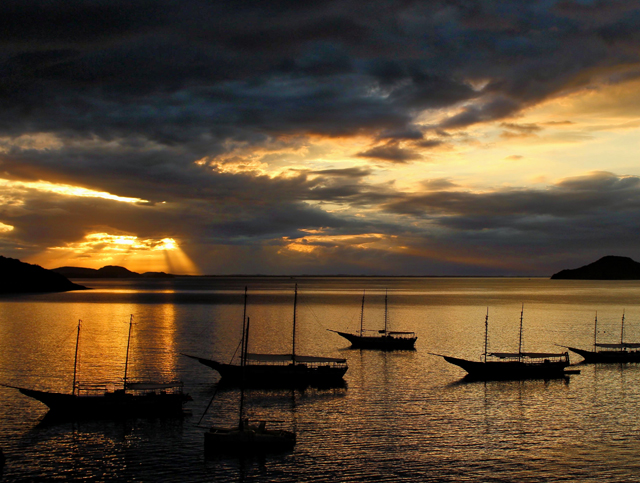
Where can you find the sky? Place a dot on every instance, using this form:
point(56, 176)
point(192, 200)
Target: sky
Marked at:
point(320, 137)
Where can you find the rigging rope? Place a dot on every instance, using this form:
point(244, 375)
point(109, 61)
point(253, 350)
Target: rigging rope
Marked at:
point(66, 338)
point(317, 319)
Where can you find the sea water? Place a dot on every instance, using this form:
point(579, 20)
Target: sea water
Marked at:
point(401, 416)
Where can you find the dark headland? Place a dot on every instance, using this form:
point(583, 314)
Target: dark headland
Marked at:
point(110, 271)
point(20, 277)
point(607, 268)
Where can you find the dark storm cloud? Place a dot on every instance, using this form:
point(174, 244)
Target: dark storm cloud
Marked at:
point(600, 192)
point(201, 72)
point(578, 219)
point(46, 219)
point(201, 202)
point(498, 108)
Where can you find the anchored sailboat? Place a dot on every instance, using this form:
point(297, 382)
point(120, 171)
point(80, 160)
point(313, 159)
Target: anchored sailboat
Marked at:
point(99, 401)
point(281, 370)
point(610, 352)
point(379, 339)
point(514, 366)
point(246, 438)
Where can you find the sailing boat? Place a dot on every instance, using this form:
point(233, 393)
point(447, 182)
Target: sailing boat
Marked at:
point(100, 401)
point(281, 370)
point(247, 438)
point(610, 352)
point(382, 339)
point(513, 366)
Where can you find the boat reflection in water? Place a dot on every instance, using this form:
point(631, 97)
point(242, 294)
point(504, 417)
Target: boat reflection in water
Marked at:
point(381, 339)
point(102, 401)
point(615, 353)
point(246, 438)
point(280, 370)
point(514, 366)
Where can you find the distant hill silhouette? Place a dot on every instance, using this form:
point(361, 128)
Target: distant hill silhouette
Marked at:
point(110, 271)
point(607, 268)
point(20, 277)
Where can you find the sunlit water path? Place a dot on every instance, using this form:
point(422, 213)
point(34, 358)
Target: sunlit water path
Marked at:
point(404, 416)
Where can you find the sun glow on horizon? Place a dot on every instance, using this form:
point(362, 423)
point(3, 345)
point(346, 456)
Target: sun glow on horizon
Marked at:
point(97, 250)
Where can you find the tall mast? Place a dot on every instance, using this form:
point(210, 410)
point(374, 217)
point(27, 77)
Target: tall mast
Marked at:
point(295, 302)
point(245, 345)
point(385, 311)
point(243, 351)
point(126, 361)
point(622, 329)
point(520, 342)
point(75, 362)
point(595, 333)
point(362, 314)
point(486, 334)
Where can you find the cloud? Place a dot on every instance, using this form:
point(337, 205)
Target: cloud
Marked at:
point(571, 197)
point(237, 124)
point(391, 152)
point(494, 109)
point(521, 128)
point(430, 143)
point(439, 184)
point(444, 230)
point(211, 71)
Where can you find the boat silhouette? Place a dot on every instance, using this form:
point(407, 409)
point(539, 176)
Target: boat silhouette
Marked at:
point(100, 401)
point(383, 339)
point(246, 438)
point(513, 366)
point(280, 370)
point(604, 352)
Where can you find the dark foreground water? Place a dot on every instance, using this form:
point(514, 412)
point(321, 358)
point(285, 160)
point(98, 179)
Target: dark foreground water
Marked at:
point(403, 416)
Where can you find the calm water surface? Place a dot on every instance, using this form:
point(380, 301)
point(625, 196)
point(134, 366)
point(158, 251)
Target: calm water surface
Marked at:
point(404, 416)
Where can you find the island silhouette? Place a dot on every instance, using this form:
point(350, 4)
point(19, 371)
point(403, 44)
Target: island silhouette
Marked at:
point(20, 277)
point(607, 268)
point(109, 271)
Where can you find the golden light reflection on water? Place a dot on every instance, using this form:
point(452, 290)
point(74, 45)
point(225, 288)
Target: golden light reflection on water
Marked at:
point(103, 344)
point(153, 350)
point(405, 416)
point(41, 354)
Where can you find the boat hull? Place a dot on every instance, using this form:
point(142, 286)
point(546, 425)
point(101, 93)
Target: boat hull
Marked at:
point(277, 375)
point(607, 356)
point(248, 441)
point(381, 342)
point(510, 370)
point(110, 405)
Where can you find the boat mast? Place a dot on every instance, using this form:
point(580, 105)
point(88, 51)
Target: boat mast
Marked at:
point(75, 362)
point(126, 361)
point(243, 351)
point(362, 315)
point(385, 311)
point(595, 333)
point(622, 329)
point(520, 342)
point(295, 302)
point(243, 363)
point(486, 334)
